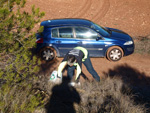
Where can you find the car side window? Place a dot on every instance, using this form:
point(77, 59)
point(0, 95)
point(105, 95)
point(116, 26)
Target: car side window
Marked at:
point(54, 32)
point(85, 33)
point(65, 32)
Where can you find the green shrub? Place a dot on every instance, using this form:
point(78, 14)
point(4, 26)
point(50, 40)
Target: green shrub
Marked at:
point(18, 98)
point(18, 67)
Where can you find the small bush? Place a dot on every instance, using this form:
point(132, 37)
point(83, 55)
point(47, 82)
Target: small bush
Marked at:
point(104, 97)
point(142, 45)
point(18, 99)
point(107, 97)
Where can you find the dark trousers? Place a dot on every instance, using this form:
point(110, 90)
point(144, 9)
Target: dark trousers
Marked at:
point(89, 67)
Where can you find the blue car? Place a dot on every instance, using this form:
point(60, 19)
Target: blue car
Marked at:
point(61, 35)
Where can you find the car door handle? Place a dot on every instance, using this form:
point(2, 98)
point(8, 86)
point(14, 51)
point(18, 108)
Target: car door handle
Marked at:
point(79, 42)
point(58, 41)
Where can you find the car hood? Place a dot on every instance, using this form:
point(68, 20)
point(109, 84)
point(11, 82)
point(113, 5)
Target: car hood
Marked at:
point(118, 34)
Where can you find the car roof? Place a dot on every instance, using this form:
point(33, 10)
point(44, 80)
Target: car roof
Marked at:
point(66, 22)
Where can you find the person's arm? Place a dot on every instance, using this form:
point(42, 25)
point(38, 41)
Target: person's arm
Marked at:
point(61, 67)
point(78, 71)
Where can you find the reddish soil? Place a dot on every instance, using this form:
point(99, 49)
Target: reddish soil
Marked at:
point(131, 16)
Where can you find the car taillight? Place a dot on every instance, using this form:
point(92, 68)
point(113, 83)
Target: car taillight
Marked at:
point(39, 40)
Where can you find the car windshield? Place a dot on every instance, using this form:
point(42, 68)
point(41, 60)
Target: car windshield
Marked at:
point(103, 31)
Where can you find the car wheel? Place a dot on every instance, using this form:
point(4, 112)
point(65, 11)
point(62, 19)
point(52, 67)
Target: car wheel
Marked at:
point(48, 54)
point(114, 53)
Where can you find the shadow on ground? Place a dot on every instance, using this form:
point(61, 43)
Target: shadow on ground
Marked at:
point(48, 67)
point(45, 67)
point(63, 98)
point(137, 82)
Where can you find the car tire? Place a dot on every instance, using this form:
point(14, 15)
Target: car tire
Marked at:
point(114, 53)
point(48, 54)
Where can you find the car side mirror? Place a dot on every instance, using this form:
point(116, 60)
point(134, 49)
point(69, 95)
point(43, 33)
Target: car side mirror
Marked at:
point(99, 38)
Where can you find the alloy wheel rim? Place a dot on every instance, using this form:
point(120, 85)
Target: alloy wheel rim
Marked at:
point(115, 54)
point(48, 55)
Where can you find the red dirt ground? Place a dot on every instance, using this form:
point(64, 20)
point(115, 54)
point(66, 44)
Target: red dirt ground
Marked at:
point(131, 16)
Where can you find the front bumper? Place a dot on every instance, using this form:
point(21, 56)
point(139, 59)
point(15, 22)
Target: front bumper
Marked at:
point(129, 49)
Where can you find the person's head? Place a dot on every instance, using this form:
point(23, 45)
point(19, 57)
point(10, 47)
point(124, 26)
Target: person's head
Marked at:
point(71, 60)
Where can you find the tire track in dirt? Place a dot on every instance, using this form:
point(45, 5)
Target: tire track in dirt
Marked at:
point(102, 11)
point(99, 13)
point(81, 12)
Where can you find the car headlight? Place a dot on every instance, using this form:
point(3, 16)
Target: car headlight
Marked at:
point(128, 43)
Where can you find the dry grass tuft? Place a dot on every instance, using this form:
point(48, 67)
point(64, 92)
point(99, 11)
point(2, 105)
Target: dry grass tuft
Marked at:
point(91, 97)
point(107, 97)
point(142, 44)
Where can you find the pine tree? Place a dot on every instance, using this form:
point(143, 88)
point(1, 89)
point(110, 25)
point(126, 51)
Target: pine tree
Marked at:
point(17, 65)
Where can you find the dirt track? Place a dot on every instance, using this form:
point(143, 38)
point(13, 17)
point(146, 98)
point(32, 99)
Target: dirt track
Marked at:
point(131, 16)
point(135, 65)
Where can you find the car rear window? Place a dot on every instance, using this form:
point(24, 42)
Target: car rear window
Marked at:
point(54, 32)
point(62, 32)
point(65, 33)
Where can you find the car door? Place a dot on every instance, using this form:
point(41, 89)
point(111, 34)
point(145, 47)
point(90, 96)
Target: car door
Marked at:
point(63, 39)
point(90, 39)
